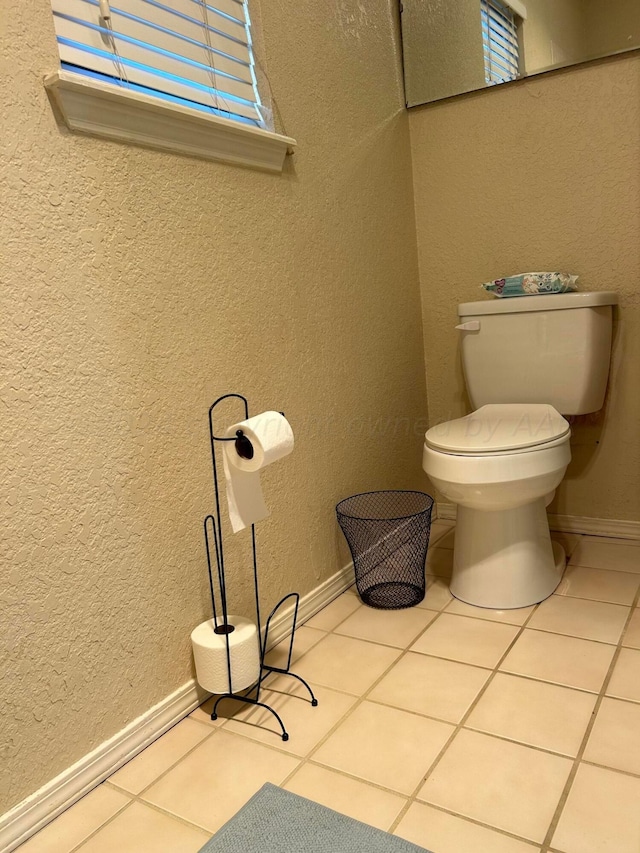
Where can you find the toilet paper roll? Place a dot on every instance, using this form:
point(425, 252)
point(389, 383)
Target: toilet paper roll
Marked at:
point(210, 655)
point(267, 438)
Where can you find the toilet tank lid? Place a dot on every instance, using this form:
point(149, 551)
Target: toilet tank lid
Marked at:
point(523, 304)
point(499, 427)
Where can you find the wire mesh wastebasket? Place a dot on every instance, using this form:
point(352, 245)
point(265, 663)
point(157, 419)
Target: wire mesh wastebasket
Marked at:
point(388, 536)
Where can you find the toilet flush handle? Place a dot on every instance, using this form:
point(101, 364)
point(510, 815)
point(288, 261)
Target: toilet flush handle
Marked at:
point(471, 326)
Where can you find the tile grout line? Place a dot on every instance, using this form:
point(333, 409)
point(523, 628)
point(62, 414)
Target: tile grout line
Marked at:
point(577, 636)
point(592, 600)
point(494, 622)
point(628, 773)
point(386, 704)
point(132, 797)
point(364, 697)
point(346, 591)
point(601, 569)
point(563, 595)
point(168, 769)
point(309, 757)
point(632, 603)
point(359, 701)
point(312, 646)
point(277, 747)
point(546, 845)
point(95, 831)
point(496, 829)
point(459, 726)
point(137, 797)
point(611, 644)
point(301, 759)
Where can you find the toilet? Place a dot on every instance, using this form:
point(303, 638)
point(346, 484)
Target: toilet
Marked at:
point(527, 362)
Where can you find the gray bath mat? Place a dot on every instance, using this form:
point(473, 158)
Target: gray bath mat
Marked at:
point(276, 821)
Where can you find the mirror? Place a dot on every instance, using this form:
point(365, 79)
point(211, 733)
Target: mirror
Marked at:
point(456, 46)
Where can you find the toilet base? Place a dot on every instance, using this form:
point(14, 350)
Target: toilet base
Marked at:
point(505, 559)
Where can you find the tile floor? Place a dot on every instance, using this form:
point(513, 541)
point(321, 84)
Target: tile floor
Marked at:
point(457, 728)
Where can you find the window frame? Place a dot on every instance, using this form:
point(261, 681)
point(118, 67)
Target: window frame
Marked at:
point(91, 104)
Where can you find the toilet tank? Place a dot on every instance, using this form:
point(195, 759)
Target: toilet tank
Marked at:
point(538, 349)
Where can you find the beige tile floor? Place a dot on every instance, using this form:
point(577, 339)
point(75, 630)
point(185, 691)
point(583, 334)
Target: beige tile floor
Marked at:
point(457, 728)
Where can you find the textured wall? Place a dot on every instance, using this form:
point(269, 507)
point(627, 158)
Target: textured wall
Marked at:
point(442, 48)
point(541, 174)
point(554, 33)
point(612, 25)
point(138, 287)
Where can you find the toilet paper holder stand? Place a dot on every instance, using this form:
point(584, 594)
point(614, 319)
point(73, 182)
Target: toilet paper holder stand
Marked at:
point(220, 613)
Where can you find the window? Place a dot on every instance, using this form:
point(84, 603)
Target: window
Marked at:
point(500, 42)
point(190, 58)
point(187, 50)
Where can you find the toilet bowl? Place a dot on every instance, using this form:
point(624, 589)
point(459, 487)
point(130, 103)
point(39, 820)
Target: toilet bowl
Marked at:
point(526, 362)
point(500, 465)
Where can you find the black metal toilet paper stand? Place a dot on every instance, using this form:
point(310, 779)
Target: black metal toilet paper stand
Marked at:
point(244, 448)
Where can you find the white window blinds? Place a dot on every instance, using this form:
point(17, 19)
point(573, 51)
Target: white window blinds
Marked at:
point(500, 41)
point(191, 52)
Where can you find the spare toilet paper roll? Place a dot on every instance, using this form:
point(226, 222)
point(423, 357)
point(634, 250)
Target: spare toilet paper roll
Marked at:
point(210, 655)
point(267, 438)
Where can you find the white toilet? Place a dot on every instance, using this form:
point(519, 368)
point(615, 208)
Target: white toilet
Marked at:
point(525, 359)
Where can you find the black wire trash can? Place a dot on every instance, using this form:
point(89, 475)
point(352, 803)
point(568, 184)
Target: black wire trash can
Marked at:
point(388, 536)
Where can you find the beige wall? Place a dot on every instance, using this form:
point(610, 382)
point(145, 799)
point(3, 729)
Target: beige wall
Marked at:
point(548, 179)
point(137, 287)
point(442, 45)
point(553, 34)
point(613, 25)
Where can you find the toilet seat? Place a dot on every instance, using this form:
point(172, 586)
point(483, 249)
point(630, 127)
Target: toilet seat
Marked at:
point(500, 429)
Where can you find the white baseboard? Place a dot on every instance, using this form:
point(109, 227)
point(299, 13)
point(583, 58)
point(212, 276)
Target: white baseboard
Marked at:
point(446, 512)
point(57, 795)
point(611, 527)
point(33, 813)
point(614, 528)
point(310, 603)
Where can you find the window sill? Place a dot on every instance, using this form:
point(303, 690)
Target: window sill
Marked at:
point(100, 109)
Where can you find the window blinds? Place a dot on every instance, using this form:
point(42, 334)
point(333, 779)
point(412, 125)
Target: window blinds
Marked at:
point(194, 52)
point(500, 41)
